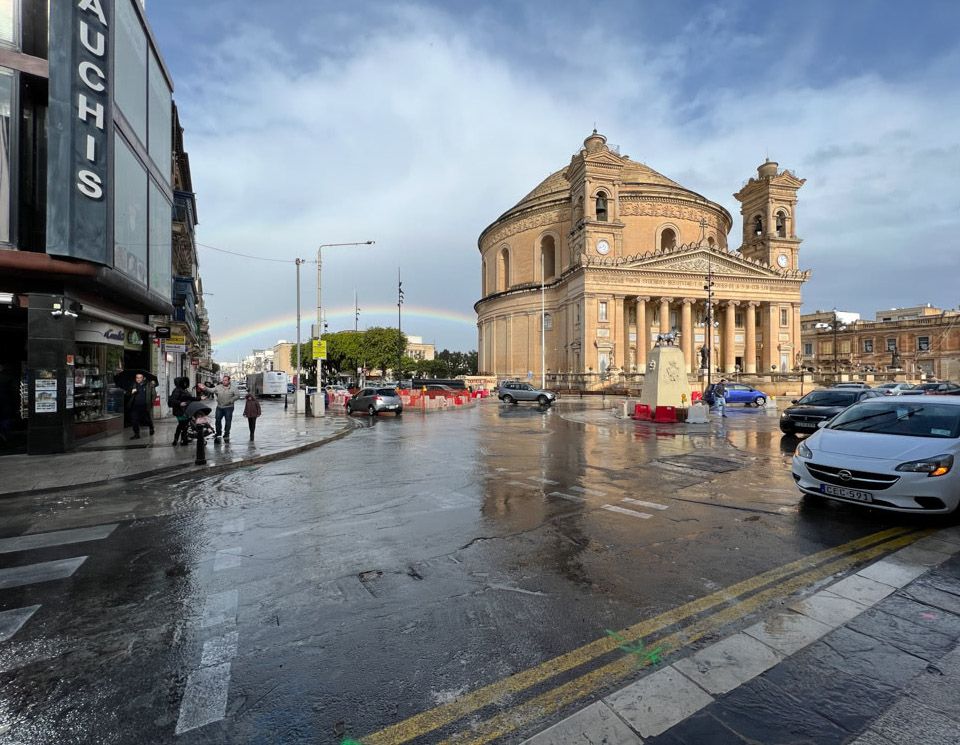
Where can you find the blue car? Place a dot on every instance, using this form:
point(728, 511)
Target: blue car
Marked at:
point(737, 393)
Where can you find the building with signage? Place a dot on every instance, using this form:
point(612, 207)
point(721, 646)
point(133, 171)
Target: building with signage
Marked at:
point(606, 253)
point(919, 342)
point(86, 138)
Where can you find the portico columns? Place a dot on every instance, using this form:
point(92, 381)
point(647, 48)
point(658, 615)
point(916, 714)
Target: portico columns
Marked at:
point(665, 314)
point(729, 337)
point(643, 334)
point(686, 332)
point(750, 339)
point(619, 333)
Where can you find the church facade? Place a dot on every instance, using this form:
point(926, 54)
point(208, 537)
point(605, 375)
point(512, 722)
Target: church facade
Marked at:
point(606, 254)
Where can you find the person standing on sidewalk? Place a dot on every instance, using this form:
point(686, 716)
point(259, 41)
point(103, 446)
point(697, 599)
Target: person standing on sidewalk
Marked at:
point(251, 410)
point(141, 401)
point(178, 401)
point(225, 397)
point(720, 396)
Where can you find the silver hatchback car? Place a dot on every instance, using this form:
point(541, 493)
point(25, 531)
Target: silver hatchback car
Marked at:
point(512, 391)
point(375, 400)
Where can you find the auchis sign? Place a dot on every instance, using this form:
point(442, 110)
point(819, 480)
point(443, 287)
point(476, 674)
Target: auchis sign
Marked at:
point(80, 125)
point(91, 71)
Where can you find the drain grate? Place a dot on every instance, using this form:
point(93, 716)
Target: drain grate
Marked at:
point(709, 463)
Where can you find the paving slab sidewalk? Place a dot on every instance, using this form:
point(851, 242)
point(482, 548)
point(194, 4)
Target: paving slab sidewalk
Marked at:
point(873, 659)
point(116, 457)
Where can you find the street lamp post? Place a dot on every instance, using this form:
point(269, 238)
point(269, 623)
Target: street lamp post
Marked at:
point(543, 326)
point(298, 263)
point(318, 330)
point(709, 325)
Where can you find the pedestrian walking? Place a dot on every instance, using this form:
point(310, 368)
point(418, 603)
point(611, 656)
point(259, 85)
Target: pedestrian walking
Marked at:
point(141, 401)
point(720, 396)
point(251, 410)
point(225, 397)
point(177, 402)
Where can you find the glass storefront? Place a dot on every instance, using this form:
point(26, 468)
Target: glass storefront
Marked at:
point(130, 213)
point(161, 227)
point(130, 68)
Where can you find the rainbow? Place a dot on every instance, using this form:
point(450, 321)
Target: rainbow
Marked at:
point(287, 323)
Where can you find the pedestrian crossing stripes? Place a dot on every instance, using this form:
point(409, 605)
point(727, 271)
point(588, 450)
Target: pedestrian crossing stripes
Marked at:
point(45, 571)
point(588, 491)
point(55, 538)
point(641, 503)
point(569, 497)
point(12, 620)
point(625, 511)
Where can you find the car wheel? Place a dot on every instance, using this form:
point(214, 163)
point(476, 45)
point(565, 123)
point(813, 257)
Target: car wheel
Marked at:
point(371, 411)
point(760, 402)
point(508, 400)
point(349, 410)
point(543, 400)
point(399, 412)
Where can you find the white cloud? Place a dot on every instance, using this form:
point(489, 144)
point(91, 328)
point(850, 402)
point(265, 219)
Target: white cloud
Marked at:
point(420, 133)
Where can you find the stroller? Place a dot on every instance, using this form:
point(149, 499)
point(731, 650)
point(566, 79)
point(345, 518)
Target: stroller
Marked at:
point(198, 427)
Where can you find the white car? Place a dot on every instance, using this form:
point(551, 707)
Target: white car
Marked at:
point(899, 453)
point(896, 389)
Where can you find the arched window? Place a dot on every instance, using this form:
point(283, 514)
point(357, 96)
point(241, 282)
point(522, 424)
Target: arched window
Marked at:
point(483, 280)
point(782, 224)
point(548, 254)
point(758, 225)
point(711, 242)
point(668, 239)
point(503, 269)
point(602, 207)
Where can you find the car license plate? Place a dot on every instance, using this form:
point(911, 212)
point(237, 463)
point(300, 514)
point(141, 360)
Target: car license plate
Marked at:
point(842, 491)
point(807, 425)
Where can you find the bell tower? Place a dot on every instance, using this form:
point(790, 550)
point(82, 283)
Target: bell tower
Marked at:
point(768, 207)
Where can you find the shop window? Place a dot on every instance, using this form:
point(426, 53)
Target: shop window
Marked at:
point(891, 345)
point(602, 207)
point(923, 343)
point(868, 346)
point(784, 317)
point(602, 311)
point(8, 22)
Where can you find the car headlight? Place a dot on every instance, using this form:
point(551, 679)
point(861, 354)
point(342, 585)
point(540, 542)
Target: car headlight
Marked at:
point(803, 451)
point(938, 465)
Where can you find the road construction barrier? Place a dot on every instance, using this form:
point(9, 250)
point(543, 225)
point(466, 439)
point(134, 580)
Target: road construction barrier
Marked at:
point(641, 411)
point(665, 414)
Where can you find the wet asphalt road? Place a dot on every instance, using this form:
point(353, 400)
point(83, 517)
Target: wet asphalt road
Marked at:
point(335, 593)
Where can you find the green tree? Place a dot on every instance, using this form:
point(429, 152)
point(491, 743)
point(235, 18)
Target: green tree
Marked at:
point(382, 347)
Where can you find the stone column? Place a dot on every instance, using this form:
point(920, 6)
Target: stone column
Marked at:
point(686, 333)
point(618, 334)
point(750, 339)
point(665, 314)
point(797, 340)
point(729, 337)
point(643, 334)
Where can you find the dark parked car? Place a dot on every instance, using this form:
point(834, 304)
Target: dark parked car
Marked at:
point(943, 387)
point(737, 393)
point(819, 406)
point(375, 400)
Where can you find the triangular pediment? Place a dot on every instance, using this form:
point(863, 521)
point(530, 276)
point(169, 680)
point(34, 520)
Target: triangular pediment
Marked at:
point(699, 260)
point(603, 158)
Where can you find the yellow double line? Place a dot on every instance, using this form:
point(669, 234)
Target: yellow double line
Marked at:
point(807, 570)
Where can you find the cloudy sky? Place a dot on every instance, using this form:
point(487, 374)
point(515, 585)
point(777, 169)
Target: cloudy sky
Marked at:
point(417, 124)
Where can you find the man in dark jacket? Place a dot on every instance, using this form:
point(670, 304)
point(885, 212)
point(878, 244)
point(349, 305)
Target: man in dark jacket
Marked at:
point(179, 398)
point(141, 402)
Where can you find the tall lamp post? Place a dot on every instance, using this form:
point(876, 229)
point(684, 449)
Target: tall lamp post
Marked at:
point(543, 325)
point(399, 328)
point(318, 330)
point(834, 326)
point(709, 325)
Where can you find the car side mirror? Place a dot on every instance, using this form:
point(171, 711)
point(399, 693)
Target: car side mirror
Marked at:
point(795, 401)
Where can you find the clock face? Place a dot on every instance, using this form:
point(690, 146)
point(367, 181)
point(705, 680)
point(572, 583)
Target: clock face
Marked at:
point(782, 260)
point(603, 248)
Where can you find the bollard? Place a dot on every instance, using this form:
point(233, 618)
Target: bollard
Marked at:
point(201, 448)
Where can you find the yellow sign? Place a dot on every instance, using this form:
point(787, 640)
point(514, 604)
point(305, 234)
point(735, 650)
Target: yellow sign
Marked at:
point(177, 339)
point(319, 349)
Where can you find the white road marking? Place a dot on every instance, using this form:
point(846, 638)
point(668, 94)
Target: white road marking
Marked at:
point(641, 503)
point(233, 526)
point(227, 558)
point(55, 538)
point(205, 697)
point(625, 511)
point(220, 608)
point(541, 480)
point(591, 492)
point(566, 496)
point(521, 483)
point(220, 649)
point(43, 572)
point(12, 620)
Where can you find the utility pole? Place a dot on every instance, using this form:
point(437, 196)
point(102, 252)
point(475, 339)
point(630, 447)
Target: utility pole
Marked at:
point(298, 262)
point(399, 326)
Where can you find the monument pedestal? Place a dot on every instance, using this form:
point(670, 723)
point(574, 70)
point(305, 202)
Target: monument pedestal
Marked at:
point(665, 382)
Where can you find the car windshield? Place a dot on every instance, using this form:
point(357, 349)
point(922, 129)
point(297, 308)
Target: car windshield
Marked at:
point(829, 398)
point(898, 418)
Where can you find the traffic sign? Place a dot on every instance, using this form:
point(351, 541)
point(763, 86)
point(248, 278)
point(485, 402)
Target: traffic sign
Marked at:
point(319, 349)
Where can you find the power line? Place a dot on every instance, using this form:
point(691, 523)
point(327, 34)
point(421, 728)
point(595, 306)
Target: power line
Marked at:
point(249, 256)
